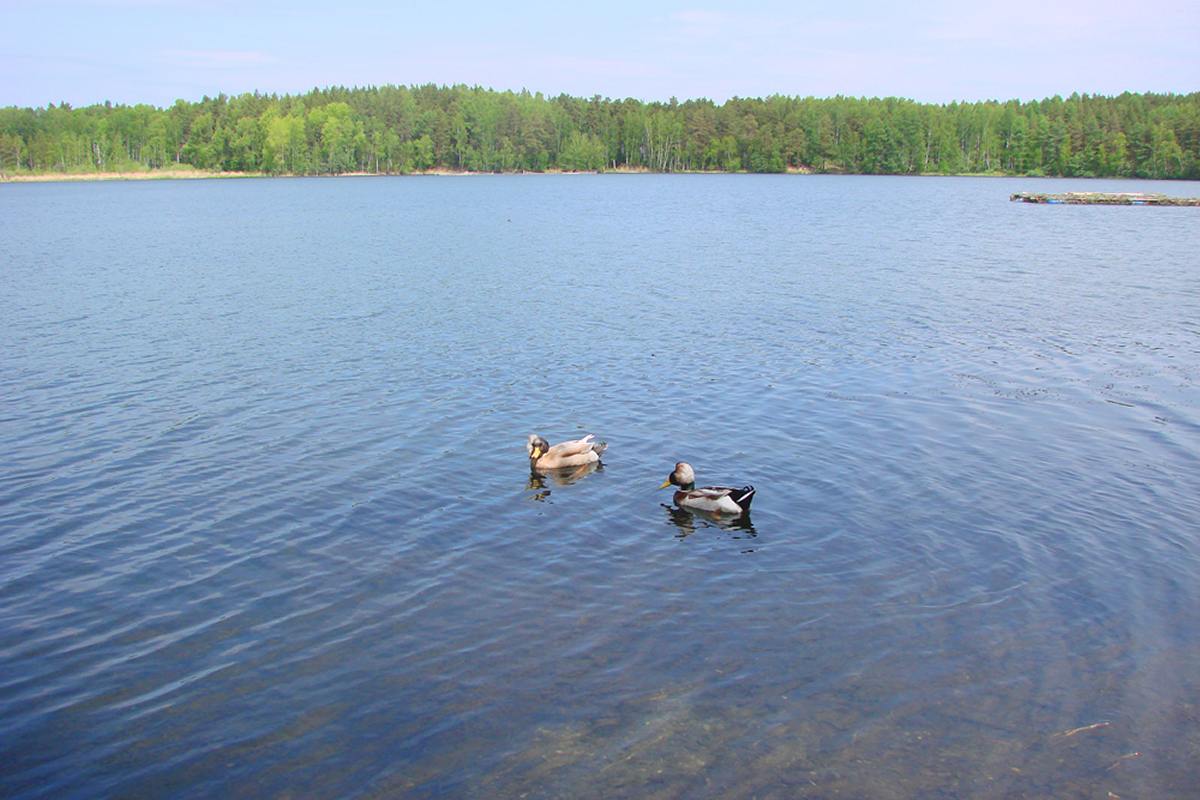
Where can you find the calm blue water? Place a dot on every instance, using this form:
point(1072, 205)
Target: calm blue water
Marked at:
point(267, 527)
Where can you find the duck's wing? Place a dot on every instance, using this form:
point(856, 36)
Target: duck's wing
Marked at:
point(718, 499)
point(743, 496)
point(577, 447)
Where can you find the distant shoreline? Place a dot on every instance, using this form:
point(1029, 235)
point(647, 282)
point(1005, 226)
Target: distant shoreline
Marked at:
point(198, 174)
point(147, 175)
point(455, 130)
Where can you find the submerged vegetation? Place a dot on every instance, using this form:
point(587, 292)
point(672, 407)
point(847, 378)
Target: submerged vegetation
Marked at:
point(398, 129)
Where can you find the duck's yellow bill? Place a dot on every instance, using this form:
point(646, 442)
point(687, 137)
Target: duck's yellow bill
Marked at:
point(666, 483)
point(537, 453)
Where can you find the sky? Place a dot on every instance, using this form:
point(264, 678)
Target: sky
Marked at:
point(157, 51)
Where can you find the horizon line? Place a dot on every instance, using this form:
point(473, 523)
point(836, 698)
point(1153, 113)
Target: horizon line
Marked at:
point(602, 98)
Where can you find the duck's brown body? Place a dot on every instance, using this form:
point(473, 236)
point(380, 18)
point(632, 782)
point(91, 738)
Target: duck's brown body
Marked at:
point(574, 453)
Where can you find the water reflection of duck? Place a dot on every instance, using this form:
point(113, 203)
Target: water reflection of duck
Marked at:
point(575, 453)
point(713, 499)
point(561, 477)
point(688, 522)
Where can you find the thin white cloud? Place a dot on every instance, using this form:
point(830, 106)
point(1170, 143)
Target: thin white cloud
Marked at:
point(583, 66)
point(111, 4)
point(701, 24)
point(1037, 23)
point(217, 59)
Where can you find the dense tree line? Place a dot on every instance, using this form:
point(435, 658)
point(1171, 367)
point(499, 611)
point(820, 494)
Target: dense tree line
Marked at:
point(398, 129)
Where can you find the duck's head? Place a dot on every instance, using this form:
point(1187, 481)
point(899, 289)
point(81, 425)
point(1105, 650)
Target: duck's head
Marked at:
point(683, 477)
point(536, 447)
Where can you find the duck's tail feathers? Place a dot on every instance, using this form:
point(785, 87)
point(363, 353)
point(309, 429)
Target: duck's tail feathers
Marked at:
point(743, 497)
point(596, 447)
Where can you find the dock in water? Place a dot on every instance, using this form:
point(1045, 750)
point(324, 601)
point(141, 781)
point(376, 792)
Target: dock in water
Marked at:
point(1105, 199)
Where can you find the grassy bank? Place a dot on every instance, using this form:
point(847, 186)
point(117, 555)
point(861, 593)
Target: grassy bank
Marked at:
point(180, 173)
point(188, 173)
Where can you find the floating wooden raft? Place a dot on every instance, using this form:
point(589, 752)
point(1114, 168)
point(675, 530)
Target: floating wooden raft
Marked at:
point(1105, 199)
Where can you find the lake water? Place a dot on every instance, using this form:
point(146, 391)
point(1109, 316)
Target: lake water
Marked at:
point(267, 526)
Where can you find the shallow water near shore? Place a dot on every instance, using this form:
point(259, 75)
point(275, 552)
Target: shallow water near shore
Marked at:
point(267, 527)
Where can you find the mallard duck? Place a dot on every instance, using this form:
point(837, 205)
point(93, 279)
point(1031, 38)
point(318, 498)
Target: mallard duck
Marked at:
point(574, 453)
point(713, 499)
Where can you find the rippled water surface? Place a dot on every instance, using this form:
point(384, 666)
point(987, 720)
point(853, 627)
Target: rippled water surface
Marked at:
point(267, 526)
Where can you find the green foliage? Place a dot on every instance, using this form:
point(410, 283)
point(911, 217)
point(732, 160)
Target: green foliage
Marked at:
point(583, 151)
point(398, 129)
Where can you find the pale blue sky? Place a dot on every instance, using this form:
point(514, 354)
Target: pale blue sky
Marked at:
point(154, 51)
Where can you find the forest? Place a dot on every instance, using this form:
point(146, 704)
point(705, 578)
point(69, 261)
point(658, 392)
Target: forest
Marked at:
point(405, 129)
